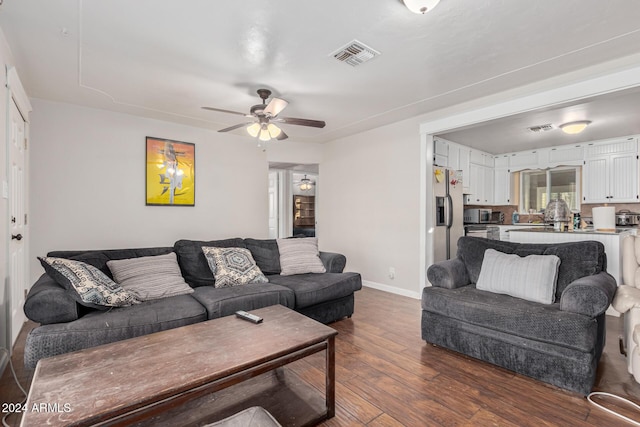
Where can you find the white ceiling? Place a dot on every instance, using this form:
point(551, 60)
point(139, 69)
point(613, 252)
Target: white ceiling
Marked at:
point(612, 115)
point(165, 59)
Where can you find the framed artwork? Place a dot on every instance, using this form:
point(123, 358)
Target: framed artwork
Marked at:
point(171, 173)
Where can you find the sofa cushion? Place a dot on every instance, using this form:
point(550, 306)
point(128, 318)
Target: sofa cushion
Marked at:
point(194, 265)
point(98, 258)
point(232, 266)
point(299, 256)
point(48, 302)
point(471, 251)
point(97, 328)
point(514, 316)
point(532, 277)
point(577, 259)
point(265, 253)
point(221, 302)
point(311, 288)
point(86, 284)
point(150, 277)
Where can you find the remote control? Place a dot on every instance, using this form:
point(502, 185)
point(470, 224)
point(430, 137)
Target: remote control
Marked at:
point(248, 316)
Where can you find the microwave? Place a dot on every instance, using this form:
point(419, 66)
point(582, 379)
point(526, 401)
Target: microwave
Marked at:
point(477, 216)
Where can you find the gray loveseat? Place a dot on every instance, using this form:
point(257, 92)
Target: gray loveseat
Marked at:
point(558, 343)
point(67, 326)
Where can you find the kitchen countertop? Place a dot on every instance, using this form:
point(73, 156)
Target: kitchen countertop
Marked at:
point(551, 230)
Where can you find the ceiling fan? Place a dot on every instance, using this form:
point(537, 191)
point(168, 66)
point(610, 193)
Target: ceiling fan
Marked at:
point(305, 184)
point(267, 114)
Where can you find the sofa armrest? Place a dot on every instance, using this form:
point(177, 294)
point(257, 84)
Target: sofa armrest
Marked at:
point(448, 274)
point(333, 262)
point(589, 295)
point(48, 302)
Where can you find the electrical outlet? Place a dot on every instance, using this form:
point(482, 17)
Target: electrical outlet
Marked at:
point(392, 273)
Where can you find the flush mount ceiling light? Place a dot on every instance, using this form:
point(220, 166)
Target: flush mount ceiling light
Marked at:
point(575, 127)
point(420, 6)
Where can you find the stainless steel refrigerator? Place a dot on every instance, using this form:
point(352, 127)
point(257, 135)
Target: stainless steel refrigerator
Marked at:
point(447, 190)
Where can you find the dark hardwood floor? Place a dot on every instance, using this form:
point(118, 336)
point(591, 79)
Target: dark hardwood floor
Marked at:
point(387, 376)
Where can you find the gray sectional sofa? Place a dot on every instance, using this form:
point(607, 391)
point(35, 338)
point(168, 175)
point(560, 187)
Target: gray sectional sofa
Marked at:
point(558, 343)
point(67, 326)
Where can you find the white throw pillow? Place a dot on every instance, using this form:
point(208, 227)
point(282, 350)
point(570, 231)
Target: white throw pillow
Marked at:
point(299, 256)
point(532, 278)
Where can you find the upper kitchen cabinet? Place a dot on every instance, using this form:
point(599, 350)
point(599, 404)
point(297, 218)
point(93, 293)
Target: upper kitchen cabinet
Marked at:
point(480, 186)
point(454, 156)
point(610, 173)
point(564, 156)
point(523, 160)
point(441, 153)
point(501, 181)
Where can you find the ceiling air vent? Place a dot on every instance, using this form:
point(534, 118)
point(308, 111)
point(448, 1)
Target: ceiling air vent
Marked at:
point(355, 53)
point(541, 128)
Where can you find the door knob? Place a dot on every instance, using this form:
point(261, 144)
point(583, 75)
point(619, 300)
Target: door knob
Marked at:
point(16, 236)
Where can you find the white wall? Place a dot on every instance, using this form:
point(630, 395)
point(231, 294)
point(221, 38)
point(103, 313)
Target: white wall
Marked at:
point(88, 183)
point(370, 204)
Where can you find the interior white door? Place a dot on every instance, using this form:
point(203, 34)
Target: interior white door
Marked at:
point(18, 227)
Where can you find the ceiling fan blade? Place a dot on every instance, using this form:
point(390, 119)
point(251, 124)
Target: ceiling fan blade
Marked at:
point(282, 135)
point(275, 106)
point(234, 127)
point(227, 111)
point(301, 122)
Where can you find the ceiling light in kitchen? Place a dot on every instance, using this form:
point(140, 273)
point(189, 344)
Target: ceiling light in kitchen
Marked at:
point(575, 127)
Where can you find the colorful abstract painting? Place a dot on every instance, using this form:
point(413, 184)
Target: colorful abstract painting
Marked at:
point(171, 172)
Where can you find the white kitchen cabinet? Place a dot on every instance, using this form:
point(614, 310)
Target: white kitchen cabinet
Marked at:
point(502, 186)
point(501, 161)
point(463, 157)
point(480, 185)
point(488, 185)
point(440, 153)
point(523, 160)
point(610, 173)
point(565, 156)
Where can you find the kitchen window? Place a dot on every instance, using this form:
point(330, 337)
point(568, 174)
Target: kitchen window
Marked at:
point(538, 187)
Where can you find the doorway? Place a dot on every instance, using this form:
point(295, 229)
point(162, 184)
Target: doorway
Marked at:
point(293, 199)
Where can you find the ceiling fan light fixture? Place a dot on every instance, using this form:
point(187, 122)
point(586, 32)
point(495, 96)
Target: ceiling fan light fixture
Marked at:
point(573, 128)
point(305, 183)
point(274, 130)
point(264, 135)
point(420, 6)
point(253, 129)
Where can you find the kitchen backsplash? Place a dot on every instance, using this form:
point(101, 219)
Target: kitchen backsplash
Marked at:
point(585, 211)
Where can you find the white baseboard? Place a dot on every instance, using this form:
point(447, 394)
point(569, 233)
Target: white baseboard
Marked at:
point(391, 289)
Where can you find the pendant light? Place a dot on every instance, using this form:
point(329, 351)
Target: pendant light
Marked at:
point(420, 6)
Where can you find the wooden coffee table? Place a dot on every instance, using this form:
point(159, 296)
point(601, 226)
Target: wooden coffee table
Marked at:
point(132, 380)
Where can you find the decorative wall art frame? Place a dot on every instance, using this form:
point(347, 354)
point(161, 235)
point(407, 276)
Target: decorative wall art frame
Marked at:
point(171, 173)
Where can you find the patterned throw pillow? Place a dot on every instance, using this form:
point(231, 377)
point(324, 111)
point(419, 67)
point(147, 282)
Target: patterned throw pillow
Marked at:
point(150, 277)
point(299, 256)
point(88, 285)
point(233, 266)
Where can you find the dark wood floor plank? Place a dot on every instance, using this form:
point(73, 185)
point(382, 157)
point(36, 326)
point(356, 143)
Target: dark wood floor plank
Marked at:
point(387, 376)
point(385, 420)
